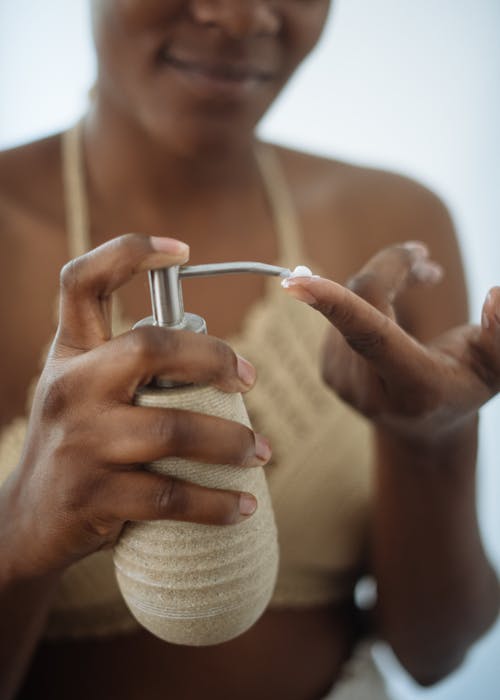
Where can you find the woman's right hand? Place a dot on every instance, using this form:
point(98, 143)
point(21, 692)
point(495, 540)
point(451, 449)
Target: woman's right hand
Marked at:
point(80, 476)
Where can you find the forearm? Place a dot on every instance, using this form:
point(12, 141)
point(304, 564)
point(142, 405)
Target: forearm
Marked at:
point(437, 590)
point(24, 603)
point(23, 610)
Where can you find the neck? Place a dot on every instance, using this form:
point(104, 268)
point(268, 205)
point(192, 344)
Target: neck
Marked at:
point(121, 157)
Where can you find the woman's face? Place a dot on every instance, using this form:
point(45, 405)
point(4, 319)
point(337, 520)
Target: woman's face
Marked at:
point(194, 72)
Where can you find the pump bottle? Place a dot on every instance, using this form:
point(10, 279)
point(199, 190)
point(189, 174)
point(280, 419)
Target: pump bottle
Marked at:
point(190, 583)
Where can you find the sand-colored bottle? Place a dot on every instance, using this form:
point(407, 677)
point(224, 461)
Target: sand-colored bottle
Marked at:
point(189, 583)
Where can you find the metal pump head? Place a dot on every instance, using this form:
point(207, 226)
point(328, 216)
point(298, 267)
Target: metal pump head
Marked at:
point(166, 290)
point(166, 297)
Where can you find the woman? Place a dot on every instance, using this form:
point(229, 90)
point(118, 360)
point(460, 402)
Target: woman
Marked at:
point(168, 148)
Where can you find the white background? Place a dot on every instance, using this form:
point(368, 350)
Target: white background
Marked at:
point(411, 86)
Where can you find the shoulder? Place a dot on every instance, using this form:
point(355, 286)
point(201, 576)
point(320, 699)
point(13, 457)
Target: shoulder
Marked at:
point(30, 178)
point(349, 212)
point(385, 204)
point(31, 201)
point(32, 250)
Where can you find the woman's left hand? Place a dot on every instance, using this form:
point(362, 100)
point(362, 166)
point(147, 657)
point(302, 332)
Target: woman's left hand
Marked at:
point(414, 390)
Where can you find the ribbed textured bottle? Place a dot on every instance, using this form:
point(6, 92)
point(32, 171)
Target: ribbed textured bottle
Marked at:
point(200, 584)
point(188, 583)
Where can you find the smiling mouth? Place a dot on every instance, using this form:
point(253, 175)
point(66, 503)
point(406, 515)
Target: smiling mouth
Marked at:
point(222, 72)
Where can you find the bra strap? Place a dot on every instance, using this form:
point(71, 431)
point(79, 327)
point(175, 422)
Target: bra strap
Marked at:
point(288, 230)
point(73, 172)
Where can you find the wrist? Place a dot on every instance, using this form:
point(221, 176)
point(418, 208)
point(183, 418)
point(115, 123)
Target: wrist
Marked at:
point(429, 435)
point(20, 562)
point(459, 439)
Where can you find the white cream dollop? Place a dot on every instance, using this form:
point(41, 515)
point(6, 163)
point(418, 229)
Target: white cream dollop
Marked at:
point(300, 271)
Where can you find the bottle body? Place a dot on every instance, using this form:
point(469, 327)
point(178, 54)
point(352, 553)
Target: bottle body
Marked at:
point(200, 584)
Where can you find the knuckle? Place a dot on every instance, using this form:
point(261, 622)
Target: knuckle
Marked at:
point(171, 498)
point(142, 344)
point(70, 276)
point(169, 341)
point(105, 529)
point(77, 490)
point(341, 311)
point(56, 395)
point(180, 431)
point(128, 249)
point(224, 360)
point(369, 345)
point(88, 501)
point(485, 366)
point(130, 241)
point(149, 342)
point(74, 451)
point(164, 429)
point(340, 316)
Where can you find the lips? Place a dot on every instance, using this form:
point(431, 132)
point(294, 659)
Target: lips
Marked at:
point(219, 70)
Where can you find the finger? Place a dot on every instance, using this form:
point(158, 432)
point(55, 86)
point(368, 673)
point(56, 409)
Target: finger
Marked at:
point(139, 434)
point(88, 282)
point(128, 361)
point(391, 271)
point(142, 495)
point(490, 331)
point(367, 330)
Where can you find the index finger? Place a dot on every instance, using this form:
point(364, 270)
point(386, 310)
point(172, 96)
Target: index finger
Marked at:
point(367, 330)
point(87, 284)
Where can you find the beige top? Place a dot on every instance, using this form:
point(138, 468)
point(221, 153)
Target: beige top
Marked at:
point(320, 476)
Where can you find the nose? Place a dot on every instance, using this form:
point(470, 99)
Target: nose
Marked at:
point(237, 18)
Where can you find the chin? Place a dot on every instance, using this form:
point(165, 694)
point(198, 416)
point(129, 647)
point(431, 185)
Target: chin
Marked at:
point(202, 132)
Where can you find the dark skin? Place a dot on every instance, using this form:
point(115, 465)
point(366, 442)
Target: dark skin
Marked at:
point(168, 151)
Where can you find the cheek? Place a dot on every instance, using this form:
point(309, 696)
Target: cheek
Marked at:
point(122, 57)
point(144, 13)
point(303, 26)
point(126, 31)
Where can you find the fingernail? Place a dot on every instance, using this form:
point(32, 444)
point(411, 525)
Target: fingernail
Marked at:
point(485, 320)
point(169, 245)
point(427, 271)
point(248, 504)
point(416, 247)
point(297, 291)
point(262, 448)
point(491, 306)
point(246, 371)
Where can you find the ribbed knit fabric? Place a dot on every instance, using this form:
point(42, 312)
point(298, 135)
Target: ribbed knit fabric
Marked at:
point(320, 475)
point(199, 584)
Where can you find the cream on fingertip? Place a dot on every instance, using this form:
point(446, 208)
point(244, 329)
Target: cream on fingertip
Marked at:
point(300, 271)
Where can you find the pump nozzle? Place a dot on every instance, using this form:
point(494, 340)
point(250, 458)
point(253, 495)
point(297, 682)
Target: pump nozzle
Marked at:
point(166, 290)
